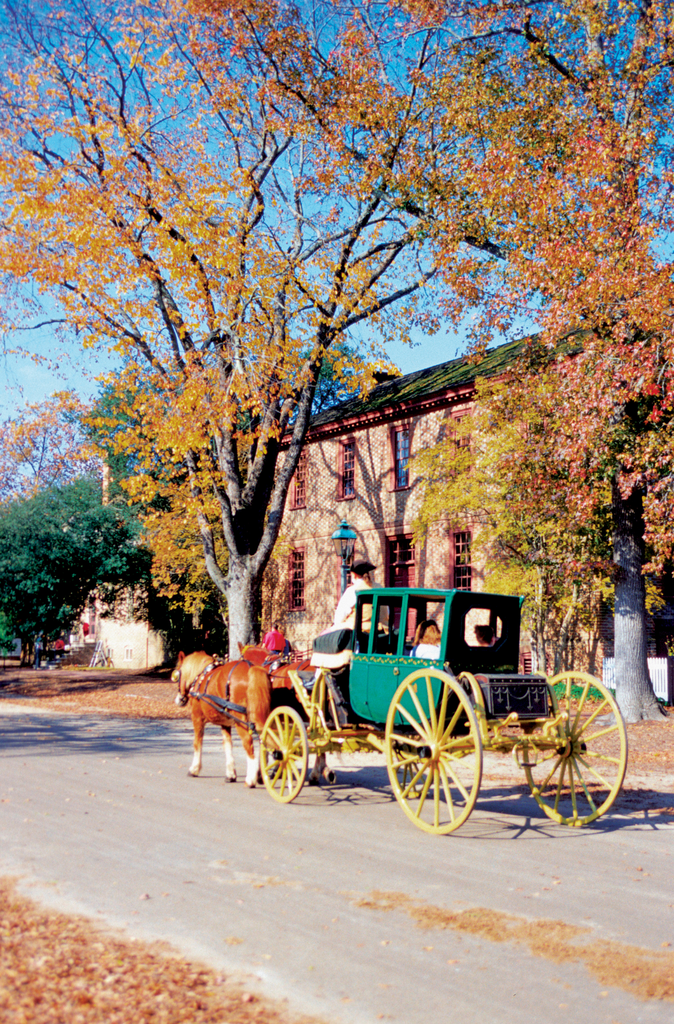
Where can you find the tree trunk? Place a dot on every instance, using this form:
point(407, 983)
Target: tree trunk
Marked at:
point(538, 651)
point(634, 691)
point(561, 647)
point(243, 602)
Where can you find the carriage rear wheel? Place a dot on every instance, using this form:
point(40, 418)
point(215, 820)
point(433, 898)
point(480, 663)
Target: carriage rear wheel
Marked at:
point(284, 754)
point(581, 776)
point(433, 751)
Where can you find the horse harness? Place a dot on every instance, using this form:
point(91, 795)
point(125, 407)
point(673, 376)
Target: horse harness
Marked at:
point(221, 704)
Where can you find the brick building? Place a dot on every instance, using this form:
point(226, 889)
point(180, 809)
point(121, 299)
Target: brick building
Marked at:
point(355, 468)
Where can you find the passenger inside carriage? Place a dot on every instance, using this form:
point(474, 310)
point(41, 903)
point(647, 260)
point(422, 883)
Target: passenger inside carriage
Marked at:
point(485, 636)
point(426, 640)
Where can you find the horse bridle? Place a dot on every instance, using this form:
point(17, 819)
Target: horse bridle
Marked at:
point(177, 677)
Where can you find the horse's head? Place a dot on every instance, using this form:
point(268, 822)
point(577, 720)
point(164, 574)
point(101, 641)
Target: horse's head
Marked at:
point(186, 671)
point(176, 677)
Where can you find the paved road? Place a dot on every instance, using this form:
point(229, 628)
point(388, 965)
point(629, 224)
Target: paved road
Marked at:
point(97, 814)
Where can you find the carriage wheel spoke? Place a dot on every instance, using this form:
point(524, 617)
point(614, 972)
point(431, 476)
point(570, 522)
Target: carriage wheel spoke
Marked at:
point(424, 724)
point(447, 790)
point(452, 724)
point(581, 705)
point(414, 723)
point(431, 707)
point(559, 783)
point(574, 802)
point(412, 784)
point(590, 719)
point(436, 797)
point(602, 732)
point(605, 782)
point(586, 791)
point(423, 794)
point(543, 785)
point(457, 781)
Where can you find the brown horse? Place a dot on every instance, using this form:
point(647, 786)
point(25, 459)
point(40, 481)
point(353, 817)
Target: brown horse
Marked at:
point(207, 682)
point(277, 667)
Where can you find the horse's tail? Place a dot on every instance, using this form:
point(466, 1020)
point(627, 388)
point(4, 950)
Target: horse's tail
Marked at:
point(259, 696)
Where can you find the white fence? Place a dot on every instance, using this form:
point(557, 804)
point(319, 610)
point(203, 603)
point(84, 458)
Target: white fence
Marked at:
point(658, 669)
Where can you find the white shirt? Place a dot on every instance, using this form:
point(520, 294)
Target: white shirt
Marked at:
point(344, 617)
point(426, 651)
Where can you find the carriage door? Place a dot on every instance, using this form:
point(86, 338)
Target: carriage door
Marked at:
point(385, 667)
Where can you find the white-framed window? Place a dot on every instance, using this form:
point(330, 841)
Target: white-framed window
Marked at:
point(128, 654)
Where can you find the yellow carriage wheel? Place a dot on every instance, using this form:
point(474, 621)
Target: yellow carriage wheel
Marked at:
point(580, 778)
point(433, 751)
point(284, 754)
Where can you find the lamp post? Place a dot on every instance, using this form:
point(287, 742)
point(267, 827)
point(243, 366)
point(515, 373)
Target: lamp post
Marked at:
point(344, 539)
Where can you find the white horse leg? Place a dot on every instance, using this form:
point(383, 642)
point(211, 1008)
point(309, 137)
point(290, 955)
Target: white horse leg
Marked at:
point(252, 757)
point(195, 767)
point(230, 767)
point(252, 770)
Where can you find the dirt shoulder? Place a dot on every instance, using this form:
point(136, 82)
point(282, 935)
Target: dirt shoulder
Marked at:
point(133, 694)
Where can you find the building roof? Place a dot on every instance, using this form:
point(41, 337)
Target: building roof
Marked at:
point(421, 388)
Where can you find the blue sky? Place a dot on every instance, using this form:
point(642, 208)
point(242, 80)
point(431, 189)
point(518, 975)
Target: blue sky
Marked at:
point(23, 380)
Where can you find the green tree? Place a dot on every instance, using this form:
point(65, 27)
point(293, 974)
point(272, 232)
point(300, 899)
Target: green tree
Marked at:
point(7, 635)
point(59, 546)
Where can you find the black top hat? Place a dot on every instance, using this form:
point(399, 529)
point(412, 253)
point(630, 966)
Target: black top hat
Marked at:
point(360, 568)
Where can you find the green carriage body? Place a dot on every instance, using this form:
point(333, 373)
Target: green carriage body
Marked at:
point(382, 652)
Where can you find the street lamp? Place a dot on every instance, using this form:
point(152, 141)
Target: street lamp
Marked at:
point(344, 539)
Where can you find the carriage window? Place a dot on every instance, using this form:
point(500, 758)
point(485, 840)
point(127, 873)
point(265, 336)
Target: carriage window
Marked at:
point(419, 612)
point(482, 628)
point(387, 626)
point(363, 624)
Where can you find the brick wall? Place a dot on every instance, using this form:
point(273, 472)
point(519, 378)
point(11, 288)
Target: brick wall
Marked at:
point(377, 510)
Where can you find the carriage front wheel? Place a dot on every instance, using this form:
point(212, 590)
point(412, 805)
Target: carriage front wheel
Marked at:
point(433, 751)
point(579, 777)
point(284, 754)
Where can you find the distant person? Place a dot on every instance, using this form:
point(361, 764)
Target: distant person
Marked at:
point(485, 636)
point(60, 644)
point(275, 641)
point(427, 639)
point(38, 649)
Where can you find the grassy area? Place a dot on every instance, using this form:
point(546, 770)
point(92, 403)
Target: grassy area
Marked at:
point(577, 692)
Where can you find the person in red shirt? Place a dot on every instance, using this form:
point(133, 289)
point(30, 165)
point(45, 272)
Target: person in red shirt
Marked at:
point(274, 640)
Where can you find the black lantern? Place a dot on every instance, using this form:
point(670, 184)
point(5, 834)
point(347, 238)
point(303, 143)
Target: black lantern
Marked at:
point(344, 539)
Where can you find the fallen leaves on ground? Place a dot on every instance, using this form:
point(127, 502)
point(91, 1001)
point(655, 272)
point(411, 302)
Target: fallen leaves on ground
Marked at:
point(644, 973)
point(56, 968)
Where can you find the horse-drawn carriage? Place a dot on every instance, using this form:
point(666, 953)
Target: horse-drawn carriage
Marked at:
point(433, 717)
